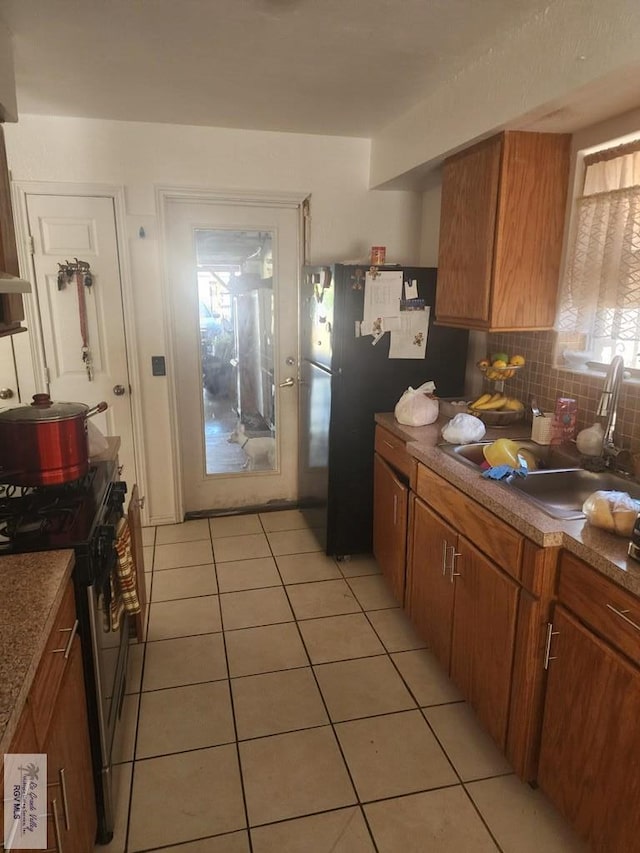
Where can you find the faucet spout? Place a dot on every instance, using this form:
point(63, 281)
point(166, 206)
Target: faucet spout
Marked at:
point(608, 407)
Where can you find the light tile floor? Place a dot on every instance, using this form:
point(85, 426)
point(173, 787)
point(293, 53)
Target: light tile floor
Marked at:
point(283, 704)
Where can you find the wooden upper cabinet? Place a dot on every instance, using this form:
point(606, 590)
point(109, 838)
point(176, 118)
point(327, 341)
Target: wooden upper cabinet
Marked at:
point(11, 308)
point(501, 230)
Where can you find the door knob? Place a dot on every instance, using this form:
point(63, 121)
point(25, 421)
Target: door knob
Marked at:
point(119, 390)
point(289, 382)
point(6, 393)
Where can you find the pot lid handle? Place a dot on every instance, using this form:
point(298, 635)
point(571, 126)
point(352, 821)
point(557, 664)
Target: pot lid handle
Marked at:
point(42, 401)
point(101, 407)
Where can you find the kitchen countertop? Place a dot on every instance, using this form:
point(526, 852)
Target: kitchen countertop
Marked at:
point(604, 551)
point(31, 590)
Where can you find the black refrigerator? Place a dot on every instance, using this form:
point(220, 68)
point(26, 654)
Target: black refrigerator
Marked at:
point(344, 381)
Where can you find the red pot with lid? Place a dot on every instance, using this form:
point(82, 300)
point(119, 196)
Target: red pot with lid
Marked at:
point(45, 443)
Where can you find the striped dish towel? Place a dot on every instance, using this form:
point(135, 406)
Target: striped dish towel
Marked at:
point(125, 569)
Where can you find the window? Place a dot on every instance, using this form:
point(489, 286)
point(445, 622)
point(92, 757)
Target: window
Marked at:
point(600, 296)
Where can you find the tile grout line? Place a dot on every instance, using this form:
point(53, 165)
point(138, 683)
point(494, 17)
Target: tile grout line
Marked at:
point(331, 723)
point(232, 702)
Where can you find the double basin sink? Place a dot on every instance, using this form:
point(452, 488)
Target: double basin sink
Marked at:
point(558, 491)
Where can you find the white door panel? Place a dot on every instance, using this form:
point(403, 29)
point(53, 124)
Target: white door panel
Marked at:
point(259, 357)
point(83, 227)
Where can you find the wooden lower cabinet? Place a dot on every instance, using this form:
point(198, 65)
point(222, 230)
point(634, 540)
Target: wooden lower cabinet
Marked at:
point(70, 780)
point(63, 735)
point(390, 510)
point(591, 737)
point(465, 608)
point(430, 587)
point(483, 640)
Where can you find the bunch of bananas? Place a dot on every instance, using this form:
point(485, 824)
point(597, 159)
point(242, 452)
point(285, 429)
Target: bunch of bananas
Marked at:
point(496, 403)
point(500, 365)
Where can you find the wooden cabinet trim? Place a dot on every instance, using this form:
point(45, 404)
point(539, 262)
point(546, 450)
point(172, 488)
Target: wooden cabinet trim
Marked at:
point(393, 450)
point(491, 535)
point(594, 599)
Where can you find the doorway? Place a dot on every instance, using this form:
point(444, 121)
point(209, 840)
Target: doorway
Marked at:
point(233, 294)
point(64, 226)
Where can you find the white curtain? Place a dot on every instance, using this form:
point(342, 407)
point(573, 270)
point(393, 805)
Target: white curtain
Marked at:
point(601, 289)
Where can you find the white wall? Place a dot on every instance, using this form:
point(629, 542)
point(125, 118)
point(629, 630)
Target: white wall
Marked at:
point(543, 65)
point(347, 218)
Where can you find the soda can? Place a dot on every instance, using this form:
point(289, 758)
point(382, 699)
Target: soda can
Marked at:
point(378, 255)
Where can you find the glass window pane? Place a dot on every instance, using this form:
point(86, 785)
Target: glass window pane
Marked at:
point(236, 319)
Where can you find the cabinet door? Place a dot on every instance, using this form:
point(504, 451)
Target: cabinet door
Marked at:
point(467, 227)
point(390, 506)
point(430, 591)
point(483, 639)
point(591, 737)
point(69, 761)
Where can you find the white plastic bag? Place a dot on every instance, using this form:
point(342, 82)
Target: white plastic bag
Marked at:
point(98, 444)
point(415, 408)
point(463, 429)
point(612, 511)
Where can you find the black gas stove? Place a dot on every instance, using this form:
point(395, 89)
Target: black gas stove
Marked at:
point(70, 515)
point(83, 516)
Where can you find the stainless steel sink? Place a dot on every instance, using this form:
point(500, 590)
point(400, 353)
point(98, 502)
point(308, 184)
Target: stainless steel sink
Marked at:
point(471, 454)
point(555, 488)
point(561, 494)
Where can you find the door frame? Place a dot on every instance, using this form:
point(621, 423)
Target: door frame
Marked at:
point(165, 194)
point(20, 190)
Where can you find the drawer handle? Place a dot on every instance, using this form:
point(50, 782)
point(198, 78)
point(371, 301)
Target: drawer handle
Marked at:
point(56, 826)
point(547, 650)
point(445, 547)
point(622, 615)
point(388, 443)
point(65, 801)
point(454, 554)
point(67, 649)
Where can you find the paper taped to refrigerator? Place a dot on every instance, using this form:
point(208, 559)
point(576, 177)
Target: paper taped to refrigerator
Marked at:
point(411, 340)
point(382, 295)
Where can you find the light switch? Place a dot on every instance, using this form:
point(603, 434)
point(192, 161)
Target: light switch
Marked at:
point(158, 367)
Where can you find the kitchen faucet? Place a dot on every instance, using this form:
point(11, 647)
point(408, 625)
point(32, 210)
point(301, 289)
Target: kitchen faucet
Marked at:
point(612, 456)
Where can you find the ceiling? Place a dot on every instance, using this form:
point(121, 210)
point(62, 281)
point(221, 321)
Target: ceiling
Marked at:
point(338, 67)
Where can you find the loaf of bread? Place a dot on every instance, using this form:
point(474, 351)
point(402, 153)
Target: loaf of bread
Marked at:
point(612, 511)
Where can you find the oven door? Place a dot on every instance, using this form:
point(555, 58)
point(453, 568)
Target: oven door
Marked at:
point(110, 654)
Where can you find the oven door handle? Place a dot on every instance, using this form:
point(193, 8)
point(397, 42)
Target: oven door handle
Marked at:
point(67, 649)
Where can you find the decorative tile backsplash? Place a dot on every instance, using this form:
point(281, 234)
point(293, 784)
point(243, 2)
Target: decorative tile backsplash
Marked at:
point(540, 378)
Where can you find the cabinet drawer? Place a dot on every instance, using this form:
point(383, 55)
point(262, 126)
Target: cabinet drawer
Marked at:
point(394, 451)
point(611, 611)
point(48, 678)
point(492, 536)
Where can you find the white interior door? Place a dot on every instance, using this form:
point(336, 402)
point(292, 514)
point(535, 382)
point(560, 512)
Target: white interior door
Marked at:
point(233, 272)
point(64, 228)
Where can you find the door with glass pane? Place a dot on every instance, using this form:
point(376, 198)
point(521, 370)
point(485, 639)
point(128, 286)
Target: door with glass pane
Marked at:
point(233, 272)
